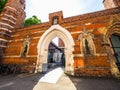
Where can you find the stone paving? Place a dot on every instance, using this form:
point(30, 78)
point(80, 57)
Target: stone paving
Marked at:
point(64, 83)
point(55, 80)
point(31, 82)
point(95, 83)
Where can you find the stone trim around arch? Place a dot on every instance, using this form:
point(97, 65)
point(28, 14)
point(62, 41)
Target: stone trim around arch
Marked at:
point(46, 38)
point(89, 37)
point(91, 45)
point(114, 28)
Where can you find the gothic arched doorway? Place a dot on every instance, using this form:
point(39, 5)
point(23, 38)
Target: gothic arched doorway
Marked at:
point(52, 32)
point(112, 44)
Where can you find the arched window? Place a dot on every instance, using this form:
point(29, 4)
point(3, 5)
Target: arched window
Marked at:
point(55, 20)
point(25, 47)
point(87, 48)
point(87, 45)
point(24, 52)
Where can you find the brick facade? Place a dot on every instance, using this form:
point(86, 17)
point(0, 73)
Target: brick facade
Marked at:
point(11, 17)
point(87, 30)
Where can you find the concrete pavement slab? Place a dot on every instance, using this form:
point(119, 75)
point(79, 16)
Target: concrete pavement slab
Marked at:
point(64, 83)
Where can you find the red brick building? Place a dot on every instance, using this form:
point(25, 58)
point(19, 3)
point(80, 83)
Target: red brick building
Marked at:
point(91, 40)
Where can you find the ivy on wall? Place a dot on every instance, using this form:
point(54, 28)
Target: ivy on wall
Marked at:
point(31, 21)
point(2, 4)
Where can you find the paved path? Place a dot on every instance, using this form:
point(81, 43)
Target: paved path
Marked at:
point(31, 82)
point(94, 83)
point(52, 76)
point(55, 80)
point(64, 83)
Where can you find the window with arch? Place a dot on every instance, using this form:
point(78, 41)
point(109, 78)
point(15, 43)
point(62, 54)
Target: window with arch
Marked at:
point(25, 47)
point(87, 45)
point(55, 20)
point(87, 48)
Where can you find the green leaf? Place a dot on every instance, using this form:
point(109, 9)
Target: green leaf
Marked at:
point(31, 21)
point(2, 4)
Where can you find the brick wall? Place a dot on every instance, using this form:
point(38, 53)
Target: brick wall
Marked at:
point(95, 65)
point(11, 17)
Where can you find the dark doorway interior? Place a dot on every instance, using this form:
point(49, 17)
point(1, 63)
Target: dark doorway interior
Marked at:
point(115, 41)
point(56, 56)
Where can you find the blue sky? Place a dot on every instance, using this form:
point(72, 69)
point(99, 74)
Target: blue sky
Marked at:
point(42, 8)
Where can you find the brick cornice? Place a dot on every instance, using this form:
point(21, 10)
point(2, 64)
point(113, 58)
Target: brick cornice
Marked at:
point(92, 15)
point(73, 19)
point(31, 27)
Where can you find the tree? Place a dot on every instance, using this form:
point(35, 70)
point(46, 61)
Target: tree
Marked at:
point(2, 4)
point(31, 21)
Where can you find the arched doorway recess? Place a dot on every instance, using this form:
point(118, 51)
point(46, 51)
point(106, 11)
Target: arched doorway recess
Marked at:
point(52, 32)
point(112, 42)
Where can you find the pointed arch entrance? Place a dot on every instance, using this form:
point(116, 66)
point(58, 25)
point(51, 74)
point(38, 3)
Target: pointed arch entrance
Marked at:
point(112, 44)
point(52, 32)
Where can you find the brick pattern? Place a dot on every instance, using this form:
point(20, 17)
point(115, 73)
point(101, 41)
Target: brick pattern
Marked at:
point(11, 17)
point(92, 65)
point(60, 43)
